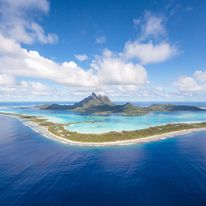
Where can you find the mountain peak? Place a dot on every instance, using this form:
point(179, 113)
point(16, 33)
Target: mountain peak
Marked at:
point(94, 100)
point(94, 95)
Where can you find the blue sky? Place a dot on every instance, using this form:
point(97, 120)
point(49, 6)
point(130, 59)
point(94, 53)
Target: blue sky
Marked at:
point(138, 50)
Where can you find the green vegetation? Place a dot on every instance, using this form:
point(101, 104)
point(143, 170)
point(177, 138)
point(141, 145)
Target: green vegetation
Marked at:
point(102, 105)
point(124, 135)
point(59, 130)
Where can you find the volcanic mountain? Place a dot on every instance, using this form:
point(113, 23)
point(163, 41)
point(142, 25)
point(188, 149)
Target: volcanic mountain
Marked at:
point(102, 105)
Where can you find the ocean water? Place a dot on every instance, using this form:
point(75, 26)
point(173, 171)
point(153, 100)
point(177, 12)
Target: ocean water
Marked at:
point(35, 171)
point(101, 124)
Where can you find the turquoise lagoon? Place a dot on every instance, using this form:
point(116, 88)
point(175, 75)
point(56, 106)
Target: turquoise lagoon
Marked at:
point(101, 124)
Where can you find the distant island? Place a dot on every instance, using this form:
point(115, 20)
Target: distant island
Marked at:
point(102, 105)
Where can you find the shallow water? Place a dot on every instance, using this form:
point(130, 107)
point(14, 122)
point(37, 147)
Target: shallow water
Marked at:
point(103, 124)
point(38, 171)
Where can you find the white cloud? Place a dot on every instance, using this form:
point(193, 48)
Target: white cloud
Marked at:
point(148, 53)
point(192, 84)
point(116, 74)
point(9, 47)
point(34, 88)
point(151, 25)
point(17, 21)
point(26, 90)
point(187, 84)
point(39, 33)
point(113, 70)
point(6, 80)
point(19, 62)
point(42, 5)
point(81, 57)
point(101, 39)
point(146, 92)
point(37, 86)
point(107, 69)
point(200, 76)
point(152, 45)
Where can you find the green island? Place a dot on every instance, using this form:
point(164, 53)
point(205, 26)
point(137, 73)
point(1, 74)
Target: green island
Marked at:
point(58, 130)
point(102, 105)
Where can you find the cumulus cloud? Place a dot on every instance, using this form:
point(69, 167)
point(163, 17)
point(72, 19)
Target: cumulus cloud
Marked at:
point(105, 69)
point(152, 45)
point(192, 84)
point(81, 57)
point(26, 90)
point(113, 70)
point(18, 21)
point(148, 53)
point(187, 84)
point(116, 74)
point(200, 76)
point(20, 62)
point(34, 88)
point(42, 5)
point(6, 80)
point(151, 25)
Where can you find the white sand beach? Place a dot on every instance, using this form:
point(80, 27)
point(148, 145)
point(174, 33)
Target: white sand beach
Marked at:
point(44, 131)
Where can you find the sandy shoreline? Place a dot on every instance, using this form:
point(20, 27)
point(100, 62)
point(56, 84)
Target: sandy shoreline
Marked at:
point(44, 131)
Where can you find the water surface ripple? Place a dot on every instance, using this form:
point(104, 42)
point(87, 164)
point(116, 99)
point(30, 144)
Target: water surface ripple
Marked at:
point(38, 171)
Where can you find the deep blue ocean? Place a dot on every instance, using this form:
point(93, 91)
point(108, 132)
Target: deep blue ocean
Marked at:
point(37, 171)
